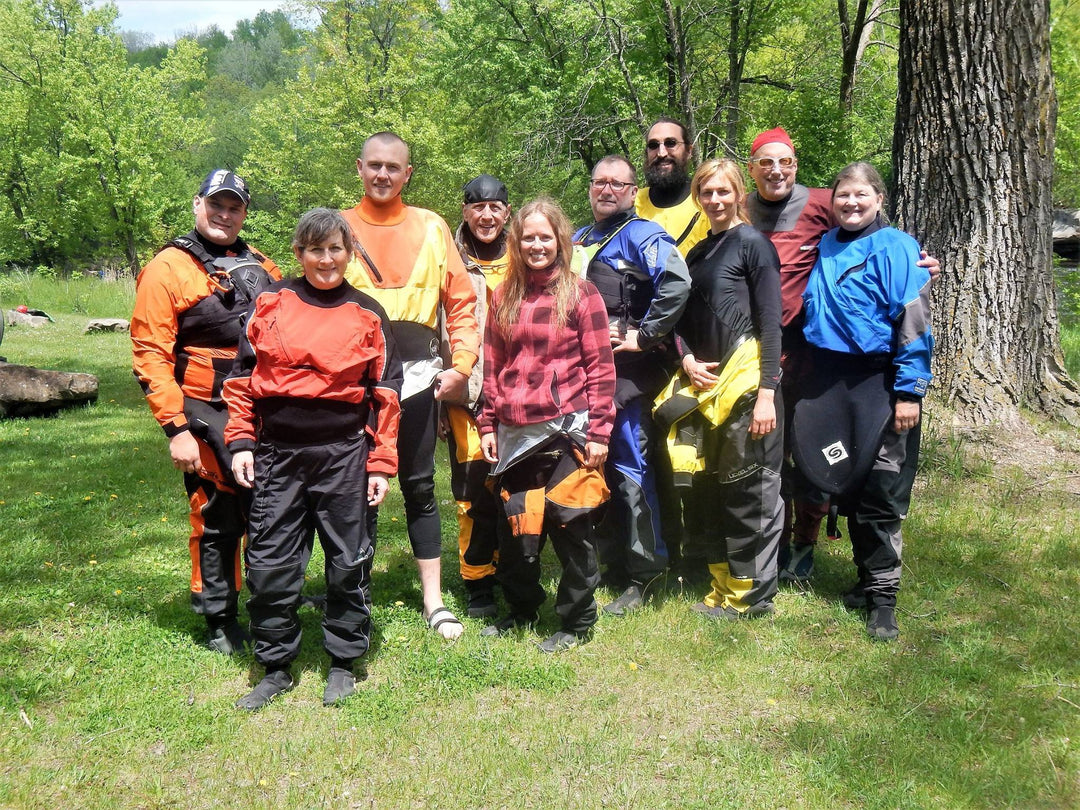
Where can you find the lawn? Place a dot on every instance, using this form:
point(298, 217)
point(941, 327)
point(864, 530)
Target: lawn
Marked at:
point(108, 699)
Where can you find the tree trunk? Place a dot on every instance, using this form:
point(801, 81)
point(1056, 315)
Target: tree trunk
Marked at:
point(738, 40)
point(854, 37)
point(973, 153)
point(679, 79)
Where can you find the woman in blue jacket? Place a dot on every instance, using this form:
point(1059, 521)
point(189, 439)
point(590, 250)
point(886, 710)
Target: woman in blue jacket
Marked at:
point(868, 321)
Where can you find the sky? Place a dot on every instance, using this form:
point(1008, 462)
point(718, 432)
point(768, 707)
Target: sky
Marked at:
point(164, 19)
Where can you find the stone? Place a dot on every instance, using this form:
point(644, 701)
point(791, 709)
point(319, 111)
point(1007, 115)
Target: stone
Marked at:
point(16, 318)
point(29, 391)
point(1066, 234)
point(1066, 224)
point(106, 325)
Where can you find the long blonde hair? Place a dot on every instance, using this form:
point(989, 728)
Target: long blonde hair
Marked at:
point(566, 284)
point(732, 172)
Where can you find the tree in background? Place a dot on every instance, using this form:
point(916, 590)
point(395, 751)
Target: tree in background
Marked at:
point(88, 144)
point(97, 159)
point(1065, 35)
point(974, 152)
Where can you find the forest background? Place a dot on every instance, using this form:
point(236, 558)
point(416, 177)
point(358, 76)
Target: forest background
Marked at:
point(107, 698)
point(104, 136)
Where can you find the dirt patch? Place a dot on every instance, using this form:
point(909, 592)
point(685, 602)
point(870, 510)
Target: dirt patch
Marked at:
point(1045, 452)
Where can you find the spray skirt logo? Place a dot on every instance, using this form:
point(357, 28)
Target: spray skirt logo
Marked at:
point(835, 452)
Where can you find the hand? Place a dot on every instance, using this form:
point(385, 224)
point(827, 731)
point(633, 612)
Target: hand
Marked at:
point(243, 468)
point(629, 343)
point(184, 450)
point(595, 455)
point(451, 385)
point(931, 264)
point(377, 487)
point(489, 446)
point(701, 374)
point(763, 421)
point(906, 415)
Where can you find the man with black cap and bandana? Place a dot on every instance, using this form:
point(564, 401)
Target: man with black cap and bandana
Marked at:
point(481, 238)
point(185, 330)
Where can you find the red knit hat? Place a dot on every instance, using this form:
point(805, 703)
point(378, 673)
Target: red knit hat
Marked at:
point(778, 135)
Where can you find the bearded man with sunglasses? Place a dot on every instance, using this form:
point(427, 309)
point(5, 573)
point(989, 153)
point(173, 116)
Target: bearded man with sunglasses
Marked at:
point(185, 329)
point(666, 198)
point(666, 201)
point(644, 282)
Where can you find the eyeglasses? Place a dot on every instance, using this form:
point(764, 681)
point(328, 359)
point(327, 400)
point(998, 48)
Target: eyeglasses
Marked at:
point(616, 185)
point(767, 163)
point(669, 143)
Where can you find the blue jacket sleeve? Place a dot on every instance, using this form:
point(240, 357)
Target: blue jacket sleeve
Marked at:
point(671, 282)
point(909, 309)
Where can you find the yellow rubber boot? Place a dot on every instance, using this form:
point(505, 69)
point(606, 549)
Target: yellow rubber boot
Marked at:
point(720, 588)
point(737, 591)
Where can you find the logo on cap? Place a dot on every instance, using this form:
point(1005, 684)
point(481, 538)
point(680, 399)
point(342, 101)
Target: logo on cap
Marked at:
point(224, 180)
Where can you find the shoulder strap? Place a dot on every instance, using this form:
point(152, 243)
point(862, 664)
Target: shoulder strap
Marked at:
point(188, 244)
point(367, 259)
point(690, 227)
point(353, 219)
point(195, 248)
point(603, 242)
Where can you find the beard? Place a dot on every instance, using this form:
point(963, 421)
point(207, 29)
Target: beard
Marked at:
point(663, 176)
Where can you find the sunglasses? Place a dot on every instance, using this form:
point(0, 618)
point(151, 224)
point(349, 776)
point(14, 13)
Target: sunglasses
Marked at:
point(669, 143)
point(768, 163)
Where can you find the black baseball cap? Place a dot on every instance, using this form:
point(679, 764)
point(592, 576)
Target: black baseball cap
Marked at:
point(484, 189)
point(223, 180)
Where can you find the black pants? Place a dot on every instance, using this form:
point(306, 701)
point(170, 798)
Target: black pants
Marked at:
point(875, 514)
point(417, 434)
point(738, 507)
point(519, 575)
point(218, 517)
point(301, 489)
point(805, 505)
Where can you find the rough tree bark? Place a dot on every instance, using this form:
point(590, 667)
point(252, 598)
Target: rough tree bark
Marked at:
point(973, 155)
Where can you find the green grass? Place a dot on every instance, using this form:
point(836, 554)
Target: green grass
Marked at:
point(78, 295)
point(107, 698)
point(1070, 345)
